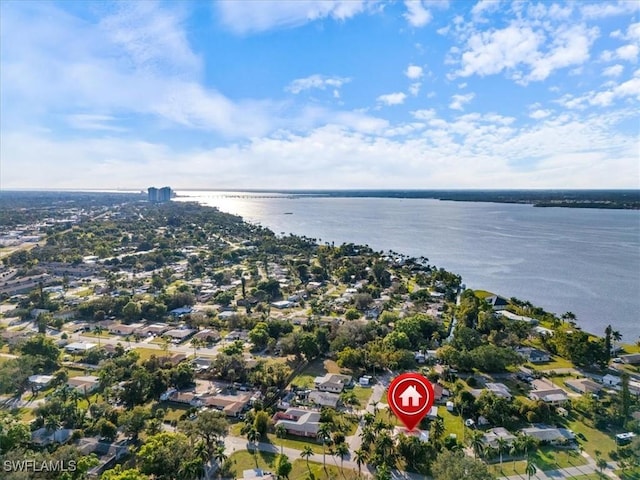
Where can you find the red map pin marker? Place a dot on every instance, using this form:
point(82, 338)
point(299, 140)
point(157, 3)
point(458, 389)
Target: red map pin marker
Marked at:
point(410, 396)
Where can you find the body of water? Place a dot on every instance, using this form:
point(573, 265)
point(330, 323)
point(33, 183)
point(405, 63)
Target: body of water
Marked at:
point(563, 259)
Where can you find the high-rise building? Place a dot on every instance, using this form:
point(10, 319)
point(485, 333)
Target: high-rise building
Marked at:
point(159, 195)
point(164, 194)
point(153, 194)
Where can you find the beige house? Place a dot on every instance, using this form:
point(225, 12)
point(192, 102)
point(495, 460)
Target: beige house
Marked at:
point(303, 423)
point(332, 382)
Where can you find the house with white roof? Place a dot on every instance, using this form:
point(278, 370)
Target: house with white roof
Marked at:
point(296, 421)
point(332, 382)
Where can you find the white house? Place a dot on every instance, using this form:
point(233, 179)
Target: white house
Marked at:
point(332, 382)
point(611, 380)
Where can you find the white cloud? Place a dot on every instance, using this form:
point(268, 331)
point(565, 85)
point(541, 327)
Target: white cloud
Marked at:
point(482, 7)
point(522, 52)
point(316, 81)
point(458, 101)
point(414, 88)
point(613, 71)
point(469, 151)
point(417, 14)
point(85, 121)
point(609, 9)
point(414, 72)
point(252, 16)
point(396, 98)
point(628, 52)
point(539, 114)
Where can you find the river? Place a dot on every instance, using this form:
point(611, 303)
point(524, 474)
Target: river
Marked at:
point(563, 259)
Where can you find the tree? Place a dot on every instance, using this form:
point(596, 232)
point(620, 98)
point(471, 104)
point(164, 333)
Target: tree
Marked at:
point(131, 311)
point(477, 443)
point(324, 434)
point(502, 443)
point(261, 423)
point(209, 425)
point(456, 466)
point(307, 452)
point(601, 463)
point(341, 450)
point(281, 432)
point(133, 421)
point(283, 466)
point(530, 469)
point(360, 456)
point(118, 473)
point(164, 454)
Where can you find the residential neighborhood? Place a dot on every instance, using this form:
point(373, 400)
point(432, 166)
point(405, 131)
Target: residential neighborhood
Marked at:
point(238, 351)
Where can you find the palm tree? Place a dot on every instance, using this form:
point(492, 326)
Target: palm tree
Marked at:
point(513, 451)
point(342, 450)
point(361, 459)
point(98, 330)
point(437, 429)
point(501, 442)
point(307, 452)
point(52, 423)
point(374, 404)
point(196, 343)
point(192, 470)
point(201, 451)
point(324, 434)
point(219, 456)
point(527, 443)
point(477, 443)
point(601, 463)
point(616, 336)
point(367, 437)
point(530, 469)
point(281, 431)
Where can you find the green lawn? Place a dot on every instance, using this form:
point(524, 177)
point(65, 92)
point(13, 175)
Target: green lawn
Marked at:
point(595, 439)
point(145, 353)
point(315, 369)
point(554, 364)
point(293, 441)
point(452, 423)
point(629, 474)
point(363, 394)
point(546, 458)
point(244, 460)
point(172, 411)
point(482, 294)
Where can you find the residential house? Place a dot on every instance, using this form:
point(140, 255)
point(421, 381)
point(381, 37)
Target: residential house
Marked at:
point(518, 318)
point(583, 385)
point(154, 329)
point(324, 399)
point(491, 437)
point(611, 380)
point(84, 384)
point(108, 454)
point(332, 382)
point(553, 396)
point(534, 355)
point(179, 335)
point(422, 435)
point(38, 382)
point(80, 347)
point(550, 435)
point(208, 335)
point(498, 389)
point(43, 436)
point(631, 359)
point(497, 302)
point(302, 423)
point(124, 329)
point(257, 474)
point(231, 405)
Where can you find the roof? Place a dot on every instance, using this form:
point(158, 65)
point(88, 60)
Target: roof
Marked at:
point(325, 399)
point(631, 358)
point(548, 434)
point(583, 385)
point(307, 421)
point(334, 378)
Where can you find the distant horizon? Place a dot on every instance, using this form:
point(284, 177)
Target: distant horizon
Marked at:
point(286, 190)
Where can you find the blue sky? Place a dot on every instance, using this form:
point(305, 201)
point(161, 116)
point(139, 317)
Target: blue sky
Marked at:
point(320, 94)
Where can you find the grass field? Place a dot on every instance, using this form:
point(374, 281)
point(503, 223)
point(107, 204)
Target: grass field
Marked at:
point(544, 459)
point(298, 443)
point(315, 369)
point(145, 353)
point(245, 460)
point(363, 394)
point(595, 439)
